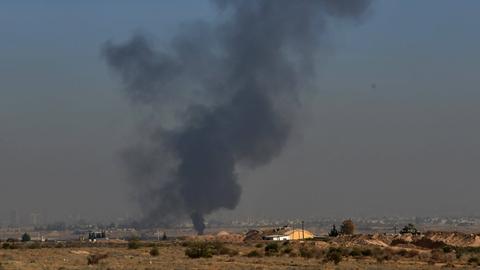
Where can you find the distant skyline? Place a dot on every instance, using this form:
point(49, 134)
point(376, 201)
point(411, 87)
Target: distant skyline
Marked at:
point(390, 130)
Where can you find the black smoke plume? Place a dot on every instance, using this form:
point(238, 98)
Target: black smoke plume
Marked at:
point(220, 96)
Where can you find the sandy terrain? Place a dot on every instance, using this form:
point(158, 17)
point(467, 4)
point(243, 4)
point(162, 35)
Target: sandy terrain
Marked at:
point(289, 256)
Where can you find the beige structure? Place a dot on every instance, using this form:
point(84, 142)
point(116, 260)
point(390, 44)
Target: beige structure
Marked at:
point(298, 234)
point(279, 234)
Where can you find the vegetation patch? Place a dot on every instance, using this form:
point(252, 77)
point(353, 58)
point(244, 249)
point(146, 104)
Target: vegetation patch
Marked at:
point(334, 255)
point(133, 243)
point(208, 249)
point(254, 253)
point(154, 251)
point(271, 249)
point(474, 261)
point(95, 258)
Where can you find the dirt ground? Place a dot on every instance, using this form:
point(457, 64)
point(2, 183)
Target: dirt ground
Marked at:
point(172, 256)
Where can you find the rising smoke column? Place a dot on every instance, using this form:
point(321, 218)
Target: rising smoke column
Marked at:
point(219, 97)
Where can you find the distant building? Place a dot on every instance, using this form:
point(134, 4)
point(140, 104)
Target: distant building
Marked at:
point(276, 237)
point(94, 236)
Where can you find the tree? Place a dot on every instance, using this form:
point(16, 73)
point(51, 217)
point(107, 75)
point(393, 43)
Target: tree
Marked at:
point(409, 228)
point(333, 232)
point(164, 237)
point(26, 237)
point(347, 227)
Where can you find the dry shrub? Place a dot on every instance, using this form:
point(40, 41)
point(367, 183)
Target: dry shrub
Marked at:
point(355, 252)
point(428, 243)
point(398, 241)
point(474, 261)
point(412, 253)
point(367, 252)
point(154, 252)
point(334, 255)
point(382, 255)
point(9, 245)
point(133, 243)
point(199, 250)
point(227, 251)
point(408, 253)
point(424, 256)
point(95, 258)
point(438, 256)
point(287, 250)
point(60, 245)
point(271, 249)
point(448, 249)
point(311, 252)
point(254, 253)
point(208, 249)
point(294, 253)
point(449, 266)
point(34, 245)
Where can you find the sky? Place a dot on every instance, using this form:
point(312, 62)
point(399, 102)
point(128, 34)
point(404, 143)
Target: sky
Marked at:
point(391, 128)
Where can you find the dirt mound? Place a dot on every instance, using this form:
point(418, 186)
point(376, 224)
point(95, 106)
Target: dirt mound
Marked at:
point(458, 239)
point(254, 235)
point(223, 233)
point(428, 243)
point(363, 240)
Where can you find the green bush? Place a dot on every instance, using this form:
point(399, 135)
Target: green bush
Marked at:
point(9, 246)
point(26, 237)
point(409, 228)
point(447, 249)
point(306, 252)
point(334, 255)
point(271, 248)
point(223, 250)
point(367, 252)
point(208, 249)
point(333, 232)
point(356, 252)
point(154, 251)
point(34, 245)
point(95, 258)
point(287, 250)
point(200, 250)
point(259, 245)
point(254, 253)
point(133, 243)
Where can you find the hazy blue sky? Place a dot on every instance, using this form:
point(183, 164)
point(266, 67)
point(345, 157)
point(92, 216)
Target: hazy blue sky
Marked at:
point(410, 145)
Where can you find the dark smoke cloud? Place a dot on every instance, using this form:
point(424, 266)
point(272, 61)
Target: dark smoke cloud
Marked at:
point(220, 97)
